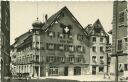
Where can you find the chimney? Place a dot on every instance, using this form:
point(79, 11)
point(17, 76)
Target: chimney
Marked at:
point(46, 17)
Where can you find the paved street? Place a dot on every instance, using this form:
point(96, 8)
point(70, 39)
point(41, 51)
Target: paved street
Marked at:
point(83, 78)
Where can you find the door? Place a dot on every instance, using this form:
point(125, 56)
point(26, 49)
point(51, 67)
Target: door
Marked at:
point(66, 71)
point(93, 70)
point(77, 70)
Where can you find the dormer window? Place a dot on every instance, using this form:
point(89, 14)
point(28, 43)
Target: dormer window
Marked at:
point(51, 34)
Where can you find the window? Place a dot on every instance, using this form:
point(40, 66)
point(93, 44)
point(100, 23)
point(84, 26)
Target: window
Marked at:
point(60, 35)
point(37, 58)
point(36, 32)
point(80, 37)
point(80, 49)
point(126, 39)
point(61, 59)
point(71, 48)
point(94, 39)
point(101, 39)
point(126, 67)
point(70, 36)
point(50, 46)
point(94, 48)
point(51, 34)
point(94, 59)
point(79, 58)
point(119, 44)
point(101, 60)
point(121, 67)
point(101, 49)
point(53, 71)
point(97, 29)
point(61, 47)
point(101, 68)
point(121, 16)
point(71, 58)
point(101, 57)
point(50, 58)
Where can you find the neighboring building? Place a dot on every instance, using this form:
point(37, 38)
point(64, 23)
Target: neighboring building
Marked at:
point(5, 38)
point(98, 39)
point(60, 47)
point(120, 33)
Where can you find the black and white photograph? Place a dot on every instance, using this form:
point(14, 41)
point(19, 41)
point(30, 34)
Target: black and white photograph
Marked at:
point(64, 41)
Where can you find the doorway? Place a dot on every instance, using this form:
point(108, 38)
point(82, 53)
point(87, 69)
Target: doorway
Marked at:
point(93, 70)
point(66, 71)
point(77, 70)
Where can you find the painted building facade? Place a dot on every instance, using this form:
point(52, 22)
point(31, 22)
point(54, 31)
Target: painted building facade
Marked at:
point(56, 47)
point(98, 39)
point(59, 47)
point(120, 31)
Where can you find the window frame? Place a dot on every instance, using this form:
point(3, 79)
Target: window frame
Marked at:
point(101, 70)
point(101, 49)
point(119, 45)
point(101, 39)
point(123, 16)
point(93, 39)
point(94, 48)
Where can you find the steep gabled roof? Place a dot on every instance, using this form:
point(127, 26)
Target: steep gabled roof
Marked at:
point(97, 24)
point(19, 40)
point(54, 17)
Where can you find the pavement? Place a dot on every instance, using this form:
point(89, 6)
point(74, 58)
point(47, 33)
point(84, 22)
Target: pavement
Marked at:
point(82, 78)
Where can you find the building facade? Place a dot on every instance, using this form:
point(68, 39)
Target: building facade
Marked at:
point(5, 38)
point(98, 39)
point(120, 37)
point(58, 47)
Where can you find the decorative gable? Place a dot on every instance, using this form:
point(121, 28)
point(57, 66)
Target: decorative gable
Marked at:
point(55, 19)
point(96, 29)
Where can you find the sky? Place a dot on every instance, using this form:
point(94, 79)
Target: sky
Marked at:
point(23, 14)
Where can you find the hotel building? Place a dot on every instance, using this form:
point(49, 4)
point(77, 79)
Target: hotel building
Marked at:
point(59, 47)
